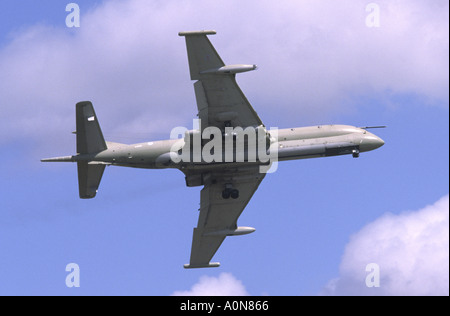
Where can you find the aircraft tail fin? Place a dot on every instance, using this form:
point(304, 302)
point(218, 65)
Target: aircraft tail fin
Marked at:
point(89, 177)
point(89, 135)
point(90, 140)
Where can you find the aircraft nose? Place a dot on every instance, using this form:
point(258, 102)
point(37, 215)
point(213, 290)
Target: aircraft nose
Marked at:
point(371, 142)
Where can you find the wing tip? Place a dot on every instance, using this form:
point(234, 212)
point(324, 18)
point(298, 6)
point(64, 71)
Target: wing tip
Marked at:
point(202, 265)
point(194, 33)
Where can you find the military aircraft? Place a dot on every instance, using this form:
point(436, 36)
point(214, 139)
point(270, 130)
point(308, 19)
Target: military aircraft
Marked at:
point(224, 112)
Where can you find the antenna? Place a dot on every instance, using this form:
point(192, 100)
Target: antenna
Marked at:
point(369, 127)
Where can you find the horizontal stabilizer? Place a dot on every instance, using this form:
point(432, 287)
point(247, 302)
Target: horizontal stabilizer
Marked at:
point(89, 177)
point(89, 135)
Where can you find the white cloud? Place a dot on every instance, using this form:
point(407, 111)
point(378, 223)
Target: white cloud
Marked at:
point(126, 57)
point(223, 285)
point(411, 250)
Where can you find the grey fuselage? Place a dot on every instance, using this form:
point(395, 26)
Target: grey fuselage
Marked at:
point(291, 143)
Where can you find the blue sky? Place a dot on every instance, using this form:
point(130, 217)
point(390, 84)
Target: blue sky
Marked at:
point(318, 222)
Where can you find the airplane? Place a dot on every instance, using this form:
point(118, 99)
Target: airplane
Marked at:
point(228, 184)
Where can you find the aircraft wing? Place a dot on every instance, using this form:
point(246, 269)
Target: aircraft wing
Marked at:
point(221, 104)
point(220, 101)
point(218, 216)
